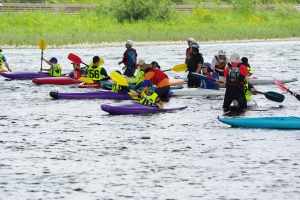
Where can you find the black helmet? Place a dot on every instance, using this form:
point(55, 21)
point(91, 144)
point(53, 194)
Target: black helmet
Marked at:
point(195, 45)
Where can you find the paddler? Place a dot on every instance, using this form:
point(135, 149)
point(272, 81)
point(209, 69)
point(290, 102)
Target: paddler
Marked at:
point(96, 72)
point(219, 62)
point(149, 97)
point(209, 84)
point(235, 77)
point(3, 61)
point(55, 68)
point(77, 71)
point(158, 78)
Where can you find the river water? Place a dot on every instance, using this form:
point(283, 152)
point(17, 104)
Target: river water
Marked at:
point(71, 149)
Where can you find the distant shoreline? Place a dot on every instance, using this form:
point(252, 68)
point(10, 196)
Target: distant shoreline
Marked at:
point(116, 44)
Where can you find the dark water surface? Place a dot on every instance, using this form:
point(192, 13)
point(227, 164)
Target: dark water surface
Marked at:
point(71, 149)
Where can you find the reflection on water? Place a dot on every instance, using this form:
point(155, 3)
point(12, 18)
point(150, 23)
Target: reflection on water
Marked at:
point(71, 149)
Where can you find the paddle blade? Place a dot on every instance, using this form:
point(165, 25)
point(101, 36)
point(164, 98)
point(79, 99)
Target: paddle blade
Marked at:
point(118, 78)
point(101, 62)
point(280, 85)
point(134, 95)
point(179, 68)
point(274, 96)
point(42, 45)
point(86, 80)
point(74, 58)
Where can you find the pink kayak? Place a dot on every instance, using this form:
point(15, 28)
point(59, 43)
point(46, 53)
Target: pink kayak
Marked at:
point(56, 80)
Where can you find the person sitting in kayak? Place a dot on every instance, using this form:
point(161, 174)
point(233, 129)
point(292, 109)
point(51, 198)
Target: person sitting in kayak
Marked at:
point(116, 87)
point(158, 78)
point(55, 68)
point(149, 97)
point(77, 71)
point(3, 61)
point(209, 84)
point(96, 72)
point(246, 63)
point(219, 62)
point(139, 76)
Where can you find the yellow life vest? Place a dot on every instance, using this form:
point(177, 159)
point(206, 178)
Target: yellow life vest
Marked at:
point(1, 61)
point(141, 78)
point(149, 100)
point(54, 72)
point(94, 73)
point(115, 87)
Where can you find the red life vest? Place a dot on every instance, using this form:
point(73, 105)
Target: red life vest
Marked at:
point(158, 76)
point(76, 73)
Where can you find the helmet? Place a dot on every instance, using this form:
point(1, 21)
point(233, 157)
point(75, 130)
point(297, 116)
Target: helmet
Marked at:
point(195, 45)
point(190, 40)
point(206, 65)
point(222, 53)
point(146, 83)
point(53, 59)
point(118, 72)
point(155, 64)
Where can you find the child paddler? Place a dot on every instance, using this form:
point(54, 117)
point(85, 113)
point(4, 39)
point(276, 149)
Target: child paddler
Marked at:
point(55, 68)
point(149, 97)
point(96, 72)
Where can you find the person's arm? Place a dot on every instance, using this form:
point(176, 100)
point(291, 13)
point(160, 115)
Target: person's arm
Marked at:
point(213, 63)
point(7, 66)
point(104, 73)
point(160, 103)
point(137, 77)
point(49, 63)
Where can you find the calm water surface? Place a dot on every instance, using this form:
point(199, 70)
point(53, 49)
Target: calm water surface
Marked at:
point(71, 149)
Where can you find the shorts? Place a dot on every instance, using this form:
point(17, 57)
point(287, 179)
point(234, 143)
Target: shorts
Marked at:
point(193, 82)
point(163, 93)
point(129, 71)
point(234, 93)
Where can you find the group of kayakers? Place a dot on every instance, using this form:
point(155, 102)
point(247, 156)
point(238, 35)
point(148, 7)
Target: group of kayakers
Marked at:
point(236, 72)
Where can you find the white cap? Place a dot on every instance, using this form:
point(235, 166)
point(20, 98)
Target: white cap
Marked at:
point(190, 40)
point(141, 62)
point(129, 42)
point(235, 58)
point(222, 53)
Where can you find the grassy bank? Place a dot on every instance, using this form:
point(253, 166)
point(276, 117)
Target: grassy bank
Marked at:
point(94, 27)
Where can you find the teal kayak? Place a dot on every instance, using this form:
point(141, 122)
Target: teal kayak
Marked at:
point(264, 122)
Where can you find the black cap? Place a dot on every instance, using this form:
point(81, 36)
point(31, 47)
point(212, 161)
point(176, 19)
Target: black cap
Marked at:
point(155, 64)
point(0, 50)
point(245, 61)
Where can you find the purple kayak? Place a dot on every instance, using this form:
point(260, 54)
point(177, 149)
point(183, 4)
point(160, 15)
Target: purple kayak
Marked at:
point(94, 95)
point(25, 75)
point(91, 95)
point(137, 108)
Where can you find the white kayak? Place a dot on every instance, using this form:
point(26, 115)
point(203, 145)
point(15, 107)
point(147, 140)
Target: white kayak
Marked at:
point(198, 92)
point(254, 81)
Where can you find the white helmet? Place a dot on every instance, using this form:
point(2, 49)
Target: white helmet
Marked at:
point(190, 40)
point(222, 53)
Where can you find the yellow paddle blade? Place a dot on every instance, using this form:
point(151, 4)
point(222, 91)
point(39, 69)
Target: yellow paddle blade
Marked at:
point(179, 68)
point(118, 78)
point(42, 45)
point(134, 95)
point(101, 62)
point(86, 80)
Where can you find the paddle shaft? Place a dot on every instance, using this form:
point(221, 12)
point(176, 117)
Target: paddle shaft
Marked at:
point(42, 62)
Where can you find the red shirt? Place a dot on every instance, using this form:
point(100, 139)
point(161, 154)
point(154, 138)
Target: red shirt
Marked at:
point(243, 70)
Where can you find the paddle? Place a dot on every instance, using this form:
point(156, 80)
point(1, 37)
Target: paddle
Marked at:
point(273, 96)
point(283, 88)
point(86, 80)
point(75, 59)
point(42, 47)
point(122, 81)
point(178, 68)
